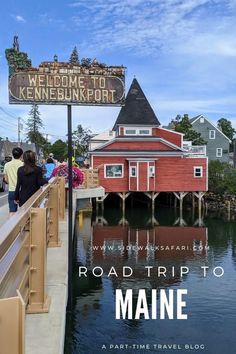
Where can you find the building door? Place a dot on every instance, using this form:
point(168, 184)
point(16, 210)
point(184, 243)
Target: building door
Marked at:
point(141, 176)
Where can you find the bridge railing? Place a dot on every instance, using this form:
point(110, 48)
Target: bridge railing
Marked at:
point(90, 178)
point(24, 239)
point(197, 150)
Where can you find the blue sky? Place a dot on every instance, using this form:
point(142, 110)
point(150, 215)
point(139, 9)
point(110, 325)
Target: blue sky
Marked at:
point(183, 54)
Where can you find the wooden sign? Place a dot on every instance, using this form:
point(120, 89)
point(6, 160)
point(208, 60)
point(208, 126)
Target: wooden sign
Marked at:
point(80, 83)
point(31, 87)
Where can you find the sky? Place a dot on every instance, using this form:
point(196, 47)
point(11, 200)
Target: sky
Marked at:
point(182, 52)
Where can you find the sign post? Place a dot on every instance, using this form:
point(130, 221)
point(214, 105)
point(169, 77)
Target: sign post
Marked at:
point(64, 83)
point(70, 208)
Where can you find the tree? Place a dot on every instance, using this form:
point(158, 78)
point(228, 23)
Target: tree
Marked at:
point(222, 177)
point(225, 126)
point(74, 58)
point(34, 124)
point(86, 62)
point(183, 125)
point(59, 149)
point(81, 137)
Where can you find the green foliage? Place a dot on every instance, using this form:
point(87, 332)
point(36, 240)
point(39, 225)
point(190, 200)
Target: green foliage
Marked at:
point(59, 149)
point(183, 125)
point(33, 126)
point(225, 126)
point(81, 137)
point(86, 62)
point(222, 177)
point(74, 58)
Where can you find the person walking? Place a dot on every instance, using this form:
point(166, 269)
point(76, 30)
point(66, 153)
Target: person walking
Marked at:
point(10, 176)
point(29, 178)
point(49, 167)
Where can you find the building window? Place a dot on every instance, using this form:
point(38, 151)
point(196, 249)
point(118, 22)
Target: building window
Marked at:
point(130, 131)
point(197, 171)
point(212, 134)
point(219, 152)
point(137, 131)
point(202, 120)
point(133, 171)
point(114, 171)
point(144, 131)
point(151, 172)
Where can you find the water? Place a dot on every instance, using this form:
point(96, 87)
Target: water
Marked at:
point(112, 241)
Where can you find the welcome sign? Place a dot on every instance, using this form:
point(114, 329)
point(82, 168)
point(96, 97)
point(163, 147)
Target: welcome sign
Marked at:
point(56, 88)
point(65, 83)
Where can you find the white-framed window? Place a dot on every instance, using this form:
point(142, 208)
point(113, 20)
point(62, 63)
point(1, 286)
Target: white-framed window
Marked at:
point(197, 171)
point(113, 171)
point(133, 171)
point(202, 120)
point(151, 172)
point(219, 152)
point(137, 131)
point(144, 131)
point(130, 131)
point(212, 134)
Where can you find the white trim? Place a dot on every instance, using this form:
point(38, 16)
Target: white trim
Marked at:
point(221, 152)
point(148, 185)
point(214, 135)
point(194, 171)
point(212, 125)
point(138, 125)
point(141, 159)
point(137, 131)
point(114, 164)
point(171, 131)
point(140, 138)
point(196, 118)
point(141, 153)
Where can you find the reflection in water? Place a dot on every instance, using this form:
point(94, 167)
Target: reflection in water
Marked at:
point(141, 239)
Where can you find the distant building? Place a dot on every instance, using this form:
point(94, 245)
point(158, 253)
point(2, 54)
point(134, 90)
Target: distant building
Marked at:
point(101, 138)
point(217, 147)
point(6, 147)
point(143, 157)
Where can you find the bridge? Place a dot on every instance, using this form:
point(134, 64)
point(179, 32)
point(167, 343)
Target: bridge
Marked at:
point(34, 269)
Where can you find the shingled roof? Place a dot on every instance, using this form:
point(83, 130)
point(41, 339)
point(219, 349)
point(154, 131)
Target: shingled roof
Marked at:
point(137, 109)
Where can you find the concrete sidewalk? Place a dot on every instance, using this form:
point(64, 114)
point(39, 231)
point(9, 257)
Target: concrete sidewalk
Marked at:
point(45, 332)
point(4, 214)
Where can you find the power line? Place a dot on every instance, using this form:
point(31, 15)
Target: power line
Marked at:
point(9, 114)
point(7, 122)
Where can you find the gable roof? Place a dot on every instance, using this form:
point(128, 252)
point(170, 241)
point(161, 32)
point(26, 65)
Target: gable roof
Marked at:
point(194, 119)
point(141, 139)
point(137, 109)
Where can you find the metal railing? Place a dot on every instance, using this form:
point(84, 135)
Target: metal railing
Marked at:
point(90, 178)
point(197, 150)
point(24, 239)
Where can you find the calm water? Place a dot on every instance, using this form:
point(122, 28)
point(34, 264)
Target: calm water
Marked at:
point(114, 241)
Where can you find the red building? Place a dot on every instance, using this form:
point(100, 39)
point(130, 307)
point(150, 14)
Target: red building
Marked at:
point(143, 157)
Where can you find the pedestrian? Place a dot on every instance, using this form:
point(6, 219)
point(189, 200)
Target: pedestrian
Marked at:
point(29, 178)
point(51, 155)
point(10, 177)
point(49, 167)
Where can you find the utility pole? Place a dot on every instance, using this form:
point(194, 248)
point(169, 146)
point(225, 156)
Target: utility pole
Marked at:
point(19, 130)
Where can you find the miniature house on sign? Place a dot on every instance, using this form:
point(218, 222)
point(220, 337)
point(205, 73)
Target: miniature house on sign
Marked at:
point(143, 157)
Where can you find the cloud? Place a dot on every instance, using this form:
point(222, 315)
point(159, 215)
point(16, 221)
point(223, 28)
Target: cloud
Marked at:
point(19, 18)
point(148, 27)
